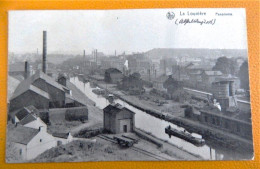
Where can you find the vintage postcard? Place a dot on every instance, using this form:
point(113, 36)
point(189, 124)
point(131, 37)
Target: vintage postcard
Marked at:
point(128, 85)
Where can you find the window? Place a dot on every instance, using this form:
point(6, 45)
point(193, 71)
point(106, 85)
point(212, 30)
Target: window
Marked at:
point(40, 140)
point(20, 151)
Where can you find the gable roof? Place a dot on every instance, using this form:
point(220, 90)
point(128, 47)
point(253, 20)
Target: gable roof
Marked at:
point(114, 108)
point(22, 135)
point(77, 95)
point(29, 118)
point(21, 114)
point(27, 84)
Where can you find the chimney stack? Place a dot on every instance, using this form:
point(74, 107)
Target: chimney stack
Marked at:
point(44, 52)
point(26, 70)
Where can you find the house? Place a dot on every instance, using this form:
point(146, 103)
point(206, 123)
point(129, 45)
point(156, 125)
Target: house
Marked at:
point(62, 138)
point(118, 119)
point(208, 77)
point(113, 75)
point(28, 142)
point(33, 122)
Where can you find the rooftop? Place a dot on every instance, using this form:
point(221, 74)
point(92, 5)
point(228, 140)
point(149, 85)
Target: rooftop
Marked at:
point(22, 135)
point(113, 70)
point(61, 135)
point(234, 114)
point(116, 108)
point(29, 118)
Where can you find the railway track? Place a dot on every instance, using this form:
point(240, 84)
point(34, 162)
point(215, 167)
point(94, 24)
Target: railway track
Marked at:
point(147, 153)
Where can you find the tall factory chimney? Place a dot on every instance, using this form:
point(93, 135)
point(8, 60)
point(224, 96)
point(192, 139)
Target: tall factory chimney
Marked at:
point(26, 70)
point(44, 51)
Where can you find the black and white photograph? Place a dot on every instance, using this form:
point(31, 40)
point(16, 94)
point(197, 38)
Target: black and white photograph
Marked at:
point(128, 85)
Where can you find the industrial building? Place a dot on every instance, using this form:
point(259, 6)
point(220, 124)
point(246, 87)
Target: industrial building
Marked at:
point(118, 119)
point(113, 75)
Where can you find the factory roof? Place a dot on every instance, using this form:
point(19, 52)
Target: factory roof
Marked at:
point(76, 94)
point(27, 84)
point(22, 135)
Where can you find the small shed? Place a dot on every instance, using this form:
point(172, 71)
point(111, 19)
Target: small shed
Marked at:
point(118, 119)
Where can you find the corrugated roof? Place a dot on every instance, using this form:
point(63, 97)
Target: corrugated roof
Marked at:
point(22, 135)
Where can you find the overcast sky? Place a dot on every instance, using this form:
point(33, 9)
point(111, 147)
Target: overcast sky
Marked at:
point(123, 30)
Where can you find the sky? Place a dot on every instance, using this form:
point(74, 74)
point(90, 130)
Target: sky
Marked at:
point(139, 30)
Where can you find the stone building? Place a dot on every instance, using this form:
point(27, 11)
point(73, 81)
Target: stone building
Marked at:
point(28, 142)
point(113, 75)
point(118, 119)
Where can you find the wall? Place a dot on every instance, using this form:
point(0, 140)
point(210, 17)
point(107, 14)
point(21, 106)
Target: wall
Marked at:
point(36, 124)
point(56, 95)
point(35, 147)
point(242, 129)
point(124, 117)
point(115, 77)
point(29, 98)
point(63, 140)
point(17, 147)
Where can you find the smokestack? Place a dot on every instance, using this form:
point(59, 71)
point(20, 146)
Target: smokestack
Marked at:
point(164, 65)
point(26, 69)
point(149, 74)
point(44, 51)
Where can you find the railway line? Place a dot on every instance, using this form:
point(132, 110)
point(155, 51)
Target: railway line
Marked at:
point(147, 153)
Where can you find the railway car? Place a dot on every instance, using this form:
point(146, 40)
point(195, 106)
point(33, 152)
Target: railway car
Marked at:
point(123, 141)
point(197, 94)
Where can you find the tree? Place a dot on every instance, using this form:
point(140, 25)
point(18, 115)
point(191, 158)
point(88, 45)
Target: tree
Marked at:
point(225, 65)
point(244, 76)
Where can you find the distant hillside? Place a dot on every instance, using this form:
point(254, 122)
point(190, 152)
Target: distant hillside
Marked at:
point(189, 52)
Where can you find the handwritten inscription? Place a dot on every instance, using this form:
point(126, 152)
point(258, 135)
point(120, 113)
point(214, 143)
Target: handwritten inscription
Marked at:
point(196, 21)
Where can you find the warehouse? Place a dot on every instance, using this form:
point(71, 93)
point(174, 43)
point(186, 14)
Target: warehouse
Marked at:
point(118, 119)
